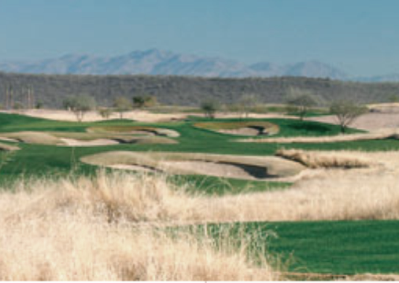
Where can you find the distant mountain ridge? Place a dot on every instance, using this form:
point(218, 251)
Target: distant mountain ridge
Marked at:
point(158, 62)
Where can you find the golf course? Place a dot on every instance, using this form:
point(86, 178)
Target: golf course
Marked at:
point(310, 201)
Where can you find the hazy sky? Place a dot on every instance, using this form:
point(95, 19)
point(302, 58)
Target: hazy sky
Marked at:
point(359, 36)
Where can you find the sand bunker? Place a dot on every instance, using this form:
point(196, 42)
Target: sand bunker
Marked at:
point(231, 166)
point(244, 128)
point(6, 147)
point(82, 139)
point(135, 130)
point(99, 142)
point(315, 159)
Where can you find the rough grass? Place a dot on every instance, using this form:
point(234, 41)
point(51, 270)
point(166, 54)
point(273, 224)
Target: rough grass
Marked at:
point(88, 229)
point(390, 134)
point(316, 159)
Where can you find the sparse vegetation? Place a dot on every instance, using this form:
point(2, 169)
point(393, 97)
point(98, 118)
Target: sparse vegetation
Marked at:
point(80, 105)
point(121, 105)
point(300, 102)
point(346, 112)
point(210, 107)
point(189, 91)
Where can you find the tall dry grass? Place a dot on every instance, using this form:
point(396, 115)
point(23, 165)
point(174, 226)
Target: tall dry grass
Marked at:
point(93, 229)
point(314, 159)
point(332, 195)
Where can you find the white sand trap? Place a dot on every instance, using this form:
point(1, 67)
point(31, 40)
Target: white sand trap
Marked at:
point(246, 131)
point(237, 171)
point(230, 166)
point(98, 142)
point(133, 168)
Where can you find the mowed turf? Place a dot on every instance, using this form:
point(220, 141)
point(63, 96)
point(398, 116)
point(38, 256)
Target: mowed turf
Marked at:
point(328, 247)
point(35, 159)
point(320, 247)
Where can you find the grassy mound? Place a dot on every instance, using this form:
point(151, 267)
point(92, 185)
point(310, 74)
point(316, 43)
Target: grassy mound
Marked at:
point(244, 128)
point(7, 147)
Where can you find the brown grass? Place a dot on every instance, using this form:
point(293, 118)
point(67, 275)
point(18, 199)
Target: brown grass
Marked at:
point(327, 139)
point(313, 159)
point(87, 229)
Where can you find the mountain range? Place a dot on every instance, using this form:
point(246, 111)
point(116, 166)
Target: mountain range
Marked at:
point(158, 62)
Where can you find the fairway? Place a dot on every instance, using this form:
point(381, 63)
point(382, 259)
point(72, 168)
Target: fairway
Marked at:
point(231, 180)
point(333, 247)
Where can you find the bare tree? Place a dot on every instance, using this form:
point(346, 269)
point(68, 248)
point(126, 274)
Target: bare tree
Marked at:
point(247, 103)
point(105, 112)
point(347, 112)
point(209, 107)
point(300, 102)
point(121, 105)
point(80, 105)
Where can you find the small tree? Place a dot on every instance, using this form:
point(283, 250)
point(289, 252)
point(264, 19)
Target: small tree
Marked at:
point(247, 103)
point(121, 105)
point(346, 112)
point(80, 105)
point(39, 105)
point(300, 102)
point(105, 112)
point(144, 101)
point(209, 107)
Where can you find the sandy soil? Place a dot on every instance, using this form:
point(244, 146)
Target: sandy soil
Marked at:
point(368, 122)
point(241, 131)
point(63, 115)
point(133, 168)
point(137, 115)
point(243, 167)
point(218, 169)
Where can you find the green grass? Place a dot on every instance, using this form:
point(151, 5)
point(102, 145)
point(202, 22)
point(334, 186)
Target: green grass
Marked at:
point(325, 247)
point(330, 247)
point(48, 160)
point(214, 186)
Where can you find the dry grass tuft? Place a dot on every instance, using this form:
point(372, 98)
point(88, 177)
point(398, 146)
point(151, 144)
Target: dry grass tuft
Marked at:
point(87, 229)
point(315, 160)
